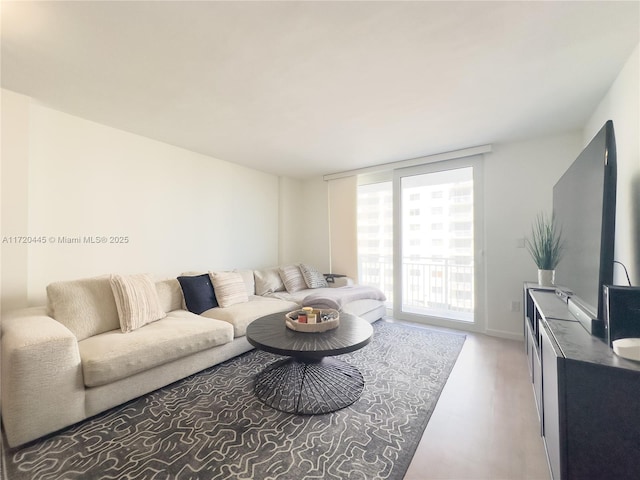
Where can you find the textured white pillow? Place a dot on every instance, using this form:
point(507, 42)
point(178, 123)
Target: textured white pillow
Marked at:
point(229, 287)
point(292, 278)
point(268, 281)
point(85, 306)
point(137, 301)
point(170, 294)
point(312, 277)
point(248, 279)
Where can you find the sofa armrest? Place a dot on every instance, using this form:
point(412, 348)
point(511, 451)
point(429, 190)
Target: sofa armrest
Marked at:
point(42, 386)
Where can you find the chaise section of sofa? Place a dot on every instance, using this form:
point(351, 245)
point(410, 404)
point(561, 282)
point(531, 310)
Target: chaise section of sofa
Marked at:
point(269, 283)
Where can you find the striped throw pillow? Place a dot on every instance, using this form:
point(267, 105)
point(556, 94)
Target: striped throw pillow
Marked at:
point(137, 301)
point(312, 277)
point(229, 287)
point(292, 278)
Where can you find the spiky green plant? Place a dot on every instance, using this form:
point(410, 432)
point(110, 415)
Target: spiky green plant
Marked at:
point(546, 244)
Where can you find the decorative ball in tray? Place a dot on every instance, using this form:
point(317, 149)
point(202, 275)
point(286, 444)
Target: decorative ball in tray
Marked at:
point(312, 320)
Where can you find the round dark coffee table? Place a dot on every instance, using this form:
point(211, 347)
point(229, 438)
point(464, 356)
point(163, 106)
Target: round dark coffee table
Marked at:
point(308, 382)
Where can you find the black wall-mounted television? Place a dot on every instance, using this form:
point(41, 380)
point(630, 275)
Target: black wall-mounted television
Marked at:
point(584, 205)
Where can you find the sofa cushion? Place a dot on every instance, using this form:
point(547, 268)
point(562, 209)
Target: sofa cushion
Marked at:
point(229, 287)
point(242, 314)
point(114, 355)
point(292, 278)
point(136, 300)
point(198, 293)
point(268, 281)
point(86, 306)
point(170, 294)
point(312, 277)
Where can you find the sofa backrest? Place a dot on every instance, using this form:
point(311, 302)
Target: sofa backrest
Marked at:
point(249, 281)
point(170, 294)
point(87, 306)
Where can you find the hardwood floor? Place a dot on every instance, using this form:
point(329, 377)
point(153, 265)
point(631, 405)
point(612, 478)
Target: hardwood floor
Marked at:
point(485, 425)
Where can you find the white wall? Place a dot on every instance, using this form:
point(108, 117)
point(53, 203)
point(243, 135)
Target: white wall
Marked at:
point(343, 233)
point(519, 179)
point(315, 250)
point(622, 105)
point(180, 210)
point(304, 234)
point(292, 221)
point(14, 161)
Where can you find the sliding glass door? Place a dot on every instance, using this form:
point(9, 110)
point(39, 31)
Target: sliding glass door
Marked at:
point(420, 241)
point(437, 252)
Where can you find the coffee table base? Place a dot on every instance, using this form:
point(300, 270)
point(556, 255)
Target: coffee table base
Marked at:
point(309, 387)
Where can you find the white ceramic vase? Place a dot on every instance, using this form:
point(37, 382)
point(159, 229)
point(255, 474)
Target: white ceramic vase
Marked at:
point(546, 278)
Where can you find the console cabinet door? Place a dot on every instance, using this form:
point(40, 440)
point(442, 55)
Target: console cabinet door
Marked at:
point(552, 400)
point(537, 382)
point(529, 345)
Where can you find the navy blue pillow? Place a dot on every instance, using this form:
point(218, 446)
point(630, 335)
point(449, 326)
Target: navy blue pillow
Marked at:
point(198, 293)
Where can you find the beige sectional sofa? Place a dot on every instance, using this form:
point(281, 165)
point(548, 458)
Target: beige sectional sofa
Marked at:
point(74, 358)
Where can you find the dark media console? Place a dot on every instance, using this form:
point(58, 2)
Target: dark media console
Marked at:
point(587, 398)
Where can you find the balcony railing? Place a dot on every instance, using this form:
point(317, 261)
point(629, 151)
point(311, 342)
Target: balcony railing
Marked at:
point(431, 286)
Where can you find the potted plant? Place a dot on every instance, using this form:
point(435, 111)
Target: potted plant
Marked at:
point(546, 247)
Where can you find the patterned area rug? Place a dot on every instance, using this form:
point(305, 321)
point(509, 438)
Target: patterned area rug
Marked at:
point(212, 426)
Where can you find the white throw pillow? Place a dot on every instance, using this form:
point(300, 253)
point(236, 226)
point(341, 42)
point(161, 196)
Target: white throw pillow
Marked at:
point(137, 301)
point(268, 281)
point(229, 287)
point(292, 278)
point(248, 279)
point(169, 294)
point(312, 277)
point(85, 306)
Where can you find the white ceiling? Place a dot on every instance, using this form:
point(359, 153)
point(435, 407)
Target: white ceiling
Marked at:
point(310, 88)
